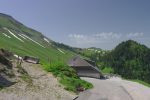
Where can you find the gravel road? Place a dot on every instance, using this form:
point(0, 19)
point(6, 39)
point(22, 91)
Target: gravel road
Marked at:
point(115, 89)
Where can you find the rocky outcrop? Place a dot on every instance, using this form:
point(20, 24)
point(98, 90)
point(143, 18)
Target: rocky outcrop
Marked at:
point(5, 68)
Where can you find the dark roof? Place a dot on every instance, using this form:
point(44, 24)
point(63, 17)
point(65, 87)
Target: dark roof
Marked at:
point(79, 62)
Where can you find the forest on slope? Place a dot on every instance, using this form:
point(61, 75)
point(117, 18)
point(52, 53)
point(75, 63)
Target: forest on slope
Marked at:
point(129, 59)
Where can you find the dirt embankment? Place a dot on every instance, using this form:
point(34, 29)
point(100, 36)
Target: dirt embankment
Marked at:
point(31, 82)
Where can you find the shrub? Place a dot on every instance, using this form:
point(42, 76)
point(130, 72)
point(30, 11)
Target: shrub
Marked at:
point(67, 75)
point(72, 84)
point(107, 70)
point(61, 69)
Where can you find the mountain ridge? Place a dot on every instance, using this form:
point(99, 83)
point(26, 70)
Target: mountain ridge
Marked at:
point(22, 40)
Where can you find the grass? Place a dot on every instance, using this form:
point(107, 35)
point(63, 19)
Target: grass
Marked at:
point(67, 76)
point(29, 48)
point(141, 82)
point(59, 68)
point(49, 53)
point(71, 84)
point(107, 70)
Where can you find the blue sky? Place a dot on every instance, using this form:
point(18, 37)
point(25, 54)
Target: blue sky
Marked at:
point(84, 23)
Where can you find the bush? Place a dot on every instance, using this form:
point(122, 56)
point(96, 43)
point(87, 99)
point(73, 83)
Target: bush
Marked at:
point(72, 84)
point(68, 76)
point(61, 69)
point(107, 70)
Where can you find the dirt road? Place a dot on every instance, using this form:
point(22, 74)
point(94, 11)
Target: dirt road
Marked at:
point(115, 89)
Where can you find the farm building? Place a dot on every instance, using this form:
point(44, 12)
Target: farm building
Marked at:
point(85, 68)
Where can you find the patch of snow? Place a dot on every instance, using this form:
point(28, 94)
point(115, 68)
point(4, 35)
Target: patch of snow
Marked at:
point(22, 36)
point(33, 40)
point(17, 56)
point(6, 35)
point(46, 40)
point(99, 51)
point(95, 50)
point(14, 35)
point(91, 49)
point(60, 51)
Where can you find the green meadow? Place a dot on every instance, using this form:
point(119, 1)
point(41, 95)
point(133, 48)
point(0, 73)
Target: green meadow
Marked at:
point(52, 58)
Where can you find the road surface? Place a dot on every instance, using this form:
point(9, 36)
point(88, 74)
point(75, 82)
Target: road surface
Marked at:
point(115, 89)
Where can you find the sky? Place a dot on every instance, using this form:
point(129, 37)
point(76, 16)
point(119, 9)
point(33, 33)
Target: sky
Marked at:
point(84, 23)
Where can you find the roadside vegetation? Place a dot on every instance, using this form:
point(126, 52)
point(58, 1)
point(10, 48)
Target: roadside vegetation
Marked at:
point(67, 76)
point(107, 70)
point(141, 82)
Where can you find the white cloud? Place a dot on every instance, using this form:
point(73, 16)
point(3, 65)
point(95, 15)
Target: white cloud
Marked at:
point(133, 35)
point(105, 35)
point(92, 38)
point(77, 36)
point(80, 38)
point(103, 39)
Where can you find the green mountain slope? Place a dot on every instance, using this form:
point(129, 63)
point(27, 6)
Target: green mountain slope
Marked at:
point(130, 60)
point(21, 40)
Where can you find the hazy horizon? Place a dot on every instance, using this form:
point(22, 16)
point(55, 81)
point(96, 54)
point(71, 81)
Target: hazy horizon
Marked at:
point(84, 23)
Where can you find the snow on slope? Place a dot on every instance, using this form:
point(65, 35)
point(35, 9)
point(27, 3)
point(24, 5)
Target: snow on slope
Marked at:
point(60, 51)
point(32, 40)
point(13, 34)
point(22, 36)
point(6, 35)
point(46, 40)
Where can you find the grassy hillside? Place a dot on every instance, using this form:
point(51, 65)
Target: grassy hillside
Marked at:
point(48, 52)
point(22, 41)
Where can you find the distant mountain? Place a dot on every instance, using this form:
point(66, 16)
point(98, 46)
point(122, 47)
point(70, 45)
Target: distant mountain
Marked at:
point(22, 40)
point(93, 53)
point(131, 60)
